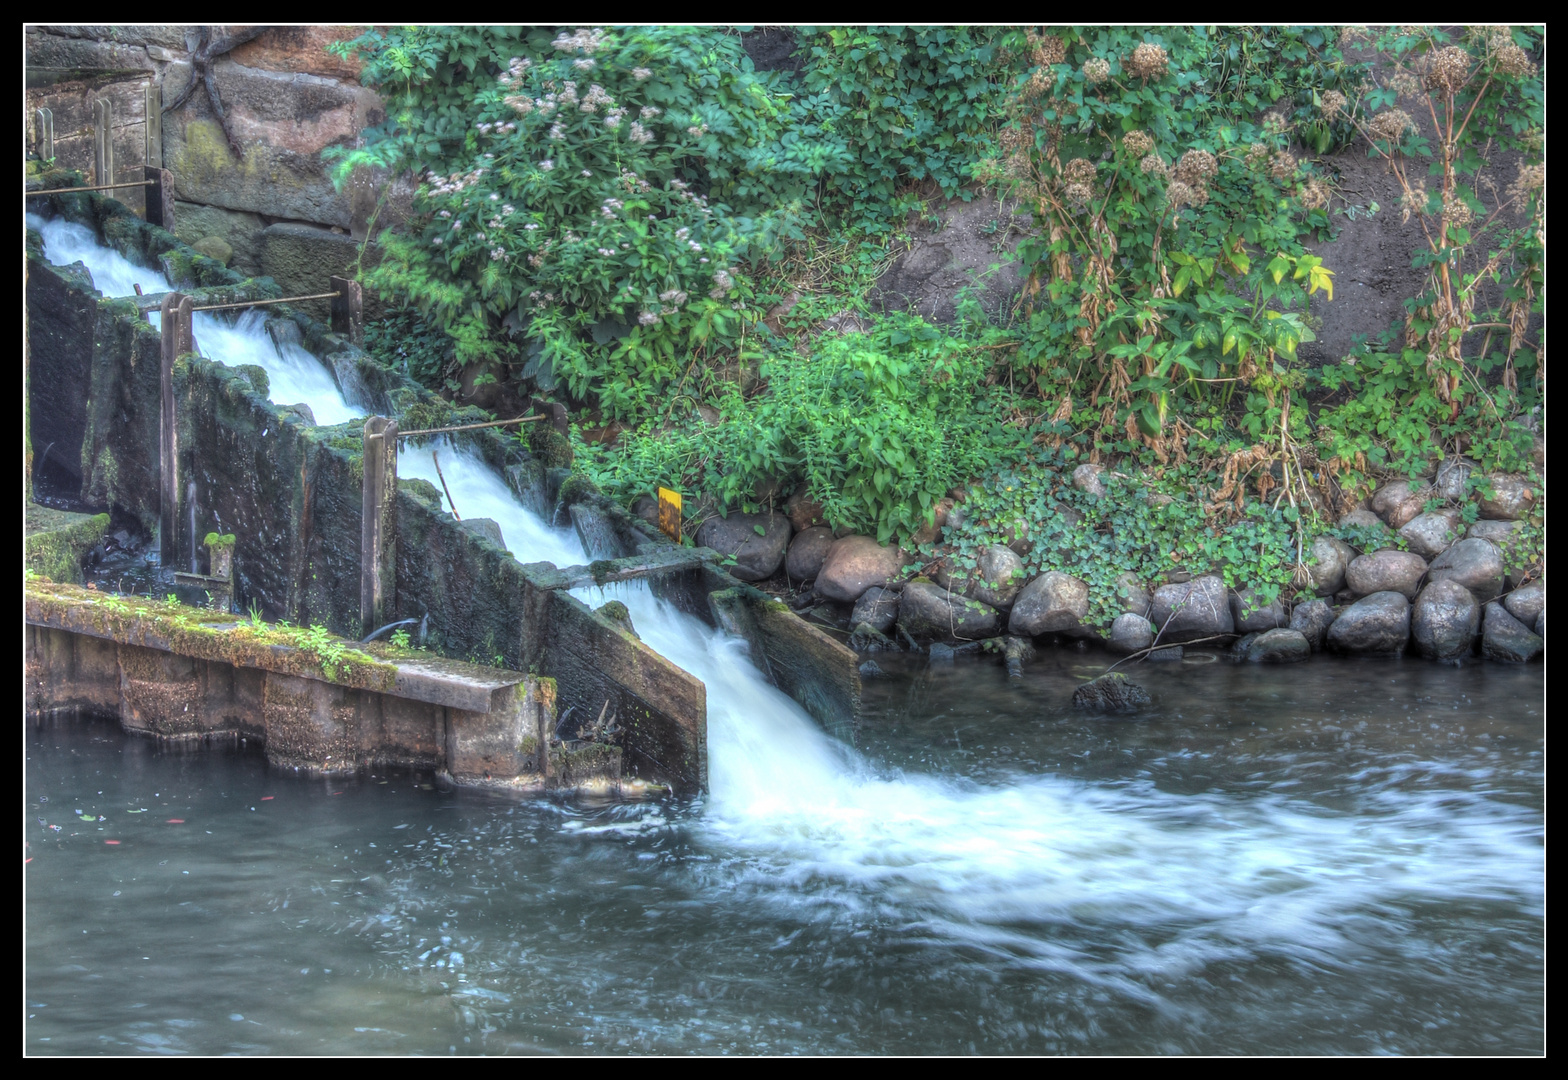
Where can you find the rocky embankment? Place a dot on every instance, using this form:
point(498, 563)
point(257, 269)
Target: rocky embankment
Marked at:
point(1423, 582)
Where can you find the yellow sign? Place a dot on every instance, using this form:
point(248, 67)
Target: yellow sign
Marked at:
point(670, 513)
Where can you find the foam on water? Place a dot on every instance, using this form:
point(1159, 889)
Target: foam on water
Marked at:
point(294, 375)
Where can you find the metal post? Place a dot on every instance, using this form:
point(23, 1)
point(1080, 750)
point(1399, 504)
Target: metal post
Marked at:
point(160, 197)
point(348, 316)
point(168, 442)
point(44, 119)
point(378, 525)
point(103, 141)
point(154, 129)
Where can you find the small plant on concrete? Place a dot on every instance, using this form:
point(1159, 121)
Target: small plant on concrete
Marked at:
point(400, 639)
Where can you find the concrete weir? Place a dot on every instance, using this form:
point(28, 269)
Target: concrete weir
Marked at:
point(291, 496)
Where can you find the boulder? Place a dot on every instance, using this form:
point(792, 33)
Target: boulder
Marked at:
point(617, 613)
point(1378, 624)
point(1330, 557)
point(1399, 501)
point(1475, 564)
point(854, 564)
point(807, 552)
point(804, 512)
point(757, 556)
point(1087, 478)
point(867, 638)
point(300, 256)
point(215, 247)
point(1111, 693)
point(1130, 633)
point(1278, 646)
point(1017, 652)
point(926, 611)
point(1130, 593)
point(1540, 625)
point(1168, 653)
point(1312, 621)
point(487, 528)
point(646, 508)
point(1513, 497)
point(1500, 533)
point(1051, 602)
point(1451, 476)
point(1506, 639)
point(1385, 571)
point(996, 578)
point(876, 608)
point(1527, 602)
point(928, 533)
point(1360, 519)
point(1444, 620)
point(1251, 615)
point(1431, 534)
point(1401, 515)
point(1195, 609)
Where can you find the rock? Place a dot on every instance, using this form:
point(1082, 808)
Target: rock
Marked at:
point(955, 521)
point(941, 654)
point(1360, 519)
point(422, 491)
point(1452, 474)
point(1378, 624)
point(1051, 602)
point(1167, 653)
point(867, 638)
point(300, 256)
point(1130, 593)
point(302, 49)
point(757, 556)
point(1238, 650)
point(1512, 499)
point(926, 611)
point(1518, 562)
point(487, 528)
point(1278, 646)
point(1527, 602)
point(1252, 616)
point(1475, 564)
point(1444, 621)
point(1130, 633)
point(214, 248)
point(870, 670)
point(1385, 571)
point(1507, 640)
point(877, 607)
point(239, 229)
point(1498, 532)
point(956, 254)
point(1111, 693)
point(996, 579)
point(1017, 652)
point(854, 564)
point(617, 613)
point(302, 410)
point(1430, 534)
point(1087, 478)
point(1330, 557)
point(1391, 496)
point(1540, 625)
point(1401, 515)
point(807, 552)
point(646, 508)
point(1201, 609)
point(932, 529)
point(1312, 621)
point(803, 511)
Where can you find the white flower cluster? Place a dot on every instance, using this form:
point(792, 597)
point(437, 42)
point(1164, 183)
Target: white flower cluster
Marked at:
point(723, 282)
point(639, 134)
point(451, 185)
point(596, 96)
point(585, 64)
point(546, 165)
point(586, 41)
point(642, 74)
point(609, 207)
point(515, 67)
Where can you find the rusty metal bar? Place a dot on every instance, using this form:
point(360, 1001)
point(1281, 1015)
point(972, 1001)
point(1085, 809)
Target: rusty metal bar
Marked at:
point(471, 427)
point(260, 303)
point(160, 197)
point(348, 307)
point(92, 187)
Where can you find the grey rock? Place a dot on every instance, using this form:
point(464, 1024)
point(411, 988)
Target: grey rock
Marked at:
point(1385, 571)
point(1475, 564)
point(1498, 532)
point(215, 247)
point(487, 528)
point(421, 490)
point(757, 557)
point(1130, 593)
point(239, 229)
point(1518, 561)
point(617, 613)
point(807, 552)
point(1111, 693)
point(1238, 650)
point(1377, 624)
point(1167, 653)
point(1449, 483)
point(646, 508)
point(1330, 557)
point(1399, 501)
point(1250, 615)
point(867, 638)
point(941, 654)
point(1360, 519)
point(926, 611)
point(1431, 534)
point(302, 410)
point(958, 252)
point(1506, 639)
point(1444, 621)
point(1527, 602)
point(877, 608)
point(1087, 478)
point(1312, 621)
point(803, 511)
point(854, 564)
point(1051, 602)
point(1513, 497)
point(1017, 652)
point(300, 256)
point(996, 578)
point(1201, 609)
point(1130, 633)
point(1278, 646)
point(870, 670)
point(1540, 625)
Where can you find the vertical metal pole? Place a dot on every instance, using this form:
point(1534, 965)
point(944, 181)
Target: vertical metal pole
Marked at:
point(348, 316)
point(154, 126)
point(103, 141)
point(378, 524)
point(45, 124)
point(160, 197)
point(168, 470)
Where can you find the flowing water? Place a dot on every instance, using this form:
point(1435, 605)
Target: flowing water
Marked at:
point(1342, 857)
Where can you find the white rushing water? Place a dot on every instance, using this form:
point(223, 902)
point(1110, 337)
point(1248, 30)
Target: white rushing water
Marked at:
point(294, 375)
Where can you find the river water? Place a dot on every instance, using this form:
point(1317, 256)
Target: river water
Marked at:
point(1344, 857)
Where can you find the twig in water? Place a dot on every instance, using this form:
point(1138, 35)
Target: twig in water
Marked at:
point(449, 502)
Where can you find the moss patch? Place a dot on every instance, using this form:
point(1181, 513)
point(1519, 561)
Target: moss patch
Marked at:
point(56, 542)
